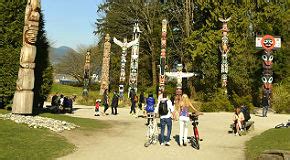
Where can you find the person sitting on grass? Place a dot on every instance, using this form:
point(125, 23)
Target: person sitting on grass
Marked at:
point(238, 121)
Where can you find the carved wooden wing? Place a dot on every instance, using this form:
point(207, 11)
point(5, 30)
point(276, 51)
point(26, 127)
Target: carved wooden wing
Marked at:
point(187, 75)
point(119, 43)
point(132, 43)
point(171, 74)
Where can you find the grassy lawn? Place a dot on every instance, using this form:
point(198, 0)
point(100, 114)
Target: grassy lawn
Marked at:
point(18, 141)
point(270, 139)
point(21, 142)
point(67, 90)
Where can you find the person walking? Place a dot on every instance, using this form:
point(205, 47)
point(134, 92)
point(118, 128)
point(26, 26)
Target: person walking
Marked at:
point(106, 100)
point(141, 104)
point(150, 102)
point(133, 102)
point(165, 109)
point(115, 102)
point(265, 104)
point(183, 109)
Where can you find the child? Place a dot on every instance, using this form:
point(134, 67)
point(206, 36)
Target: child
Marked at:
point(97, 109)
point(238, 120)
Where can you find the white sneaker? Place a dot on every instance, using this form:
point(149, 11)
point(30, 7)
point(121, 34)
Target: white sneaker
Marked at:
point(167, 144)
point(162, 144)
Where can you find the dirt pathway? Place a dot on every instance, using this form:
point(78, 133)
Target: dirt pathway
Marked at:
point(126, 139)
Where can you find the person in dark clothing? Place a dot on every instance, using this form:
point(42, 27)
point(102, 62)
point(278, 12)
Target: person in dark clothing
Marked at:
point(265, 104)
point(133, 103)
point(140, 104)
point(106, 100)
point(115, 102)
point(55, 100)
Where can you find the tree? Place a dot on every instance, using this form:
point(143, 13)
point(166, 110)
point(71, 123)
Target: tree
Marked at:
point(72, 63)
point(11, 28)
point(43, 69)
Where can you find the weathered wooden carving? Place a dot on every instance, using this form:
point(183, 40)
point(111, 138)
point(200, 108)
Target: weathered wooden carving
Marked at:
point(23, 97)
point(162, 57)
point(106, 65)
point(224, 49)
point(134, 59)
point(87, 73)
point(124, 45)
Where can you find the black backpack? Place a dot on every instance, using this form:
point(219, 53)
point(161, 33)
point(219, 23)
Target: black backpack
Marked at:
point(246, 113)
point(162, 108)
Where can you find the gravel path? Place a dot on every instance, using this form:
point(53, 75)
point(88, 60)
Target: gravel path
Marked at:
point(125, 140)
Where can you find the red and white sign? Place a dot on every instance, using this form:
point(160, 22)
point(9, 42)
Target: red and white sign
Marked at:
point(268, 42)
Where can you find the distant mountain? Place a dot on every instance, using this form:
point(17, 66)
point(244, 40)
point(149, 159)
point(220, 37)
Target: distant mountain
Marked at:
point(56, 53)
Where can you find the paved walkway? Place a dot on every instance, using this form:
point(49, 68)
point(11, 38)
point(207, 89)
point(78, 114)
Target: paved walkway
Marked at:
point(125, 140)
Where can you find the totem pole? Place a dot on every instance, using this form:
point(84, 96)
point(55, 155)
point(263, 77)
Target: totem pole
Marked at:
point(134, 59)
point(178, 76)
point(106, 65)
point(125, 45)
point(268, 43)
point(23, 97)
point(87, 73)
point(224, 48)
point(163, 57)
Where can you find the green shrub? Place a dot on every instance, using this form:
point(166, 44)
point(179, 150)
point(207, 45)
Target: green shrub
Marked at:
point(219, 102)
point(281, 99)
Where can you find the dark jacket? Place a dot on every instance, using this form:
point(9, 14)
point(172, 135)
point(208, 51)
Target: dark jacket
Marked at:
point(105, 99)
point(115, 100)
point(150, 101)
point(141, 98)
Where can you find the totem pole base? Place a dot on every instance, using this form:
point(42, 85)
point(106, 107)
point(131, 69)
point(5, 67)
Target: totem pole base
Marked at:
point(22, 102)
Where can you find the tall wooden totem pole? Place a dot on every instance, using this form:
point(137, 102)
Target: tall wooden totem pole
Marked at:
point(124, 45)
point(87, 73)
point(268, 43)
point(162, 57)
point(178, 76)
point(224, 49)
point(134, 59)
point(23, 97)
point(106, 65)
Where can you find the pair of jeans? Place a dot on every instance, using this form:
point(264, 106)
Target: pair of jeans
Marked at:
point(133, 106)
point(165, 122)
point(106, 106)
point(265, 110)
point(114, 110)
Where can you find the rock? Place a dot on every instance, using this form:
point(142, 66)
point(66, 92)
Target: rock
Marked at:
point(275, 155)
point(39, 122)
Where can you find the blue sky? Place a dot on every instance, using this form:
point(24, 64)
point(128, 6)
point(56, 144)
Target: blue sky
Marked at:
point(70, 22)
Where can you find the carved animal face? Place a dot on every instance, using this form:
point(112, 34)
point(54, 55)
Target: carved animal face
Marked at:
point(31, 36)
point(267, 80)
point(268, 59)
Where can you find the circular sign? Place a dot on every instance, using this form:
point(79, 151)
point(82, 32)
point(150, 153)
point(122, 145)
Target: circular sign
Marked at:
point(268, 42)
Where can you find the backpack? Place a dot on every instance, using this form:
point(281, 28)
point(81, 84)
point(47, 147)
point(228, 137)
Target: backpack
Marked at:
point(149, 108)
point(246, 113)
point(162, 108)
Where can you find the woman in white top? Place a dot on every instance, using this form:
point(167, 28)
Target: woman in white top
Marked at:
point(238, 120)
point(184, 107)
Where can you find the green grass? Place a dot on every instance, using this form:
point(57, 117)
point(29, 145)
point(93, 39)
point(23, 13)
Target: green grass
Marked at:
point(90, 100)
point(4, 111)
point(270, 139)
point(21, 142)
point(84, 123)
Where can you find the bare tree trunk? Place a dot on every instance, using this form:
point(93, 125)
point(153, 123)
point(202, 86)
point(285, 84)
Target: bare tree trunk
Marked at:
point(153, 61)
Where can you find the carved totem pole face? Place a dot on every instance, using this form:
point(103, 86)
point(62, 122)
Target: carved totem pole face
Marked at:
point(267, 80)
